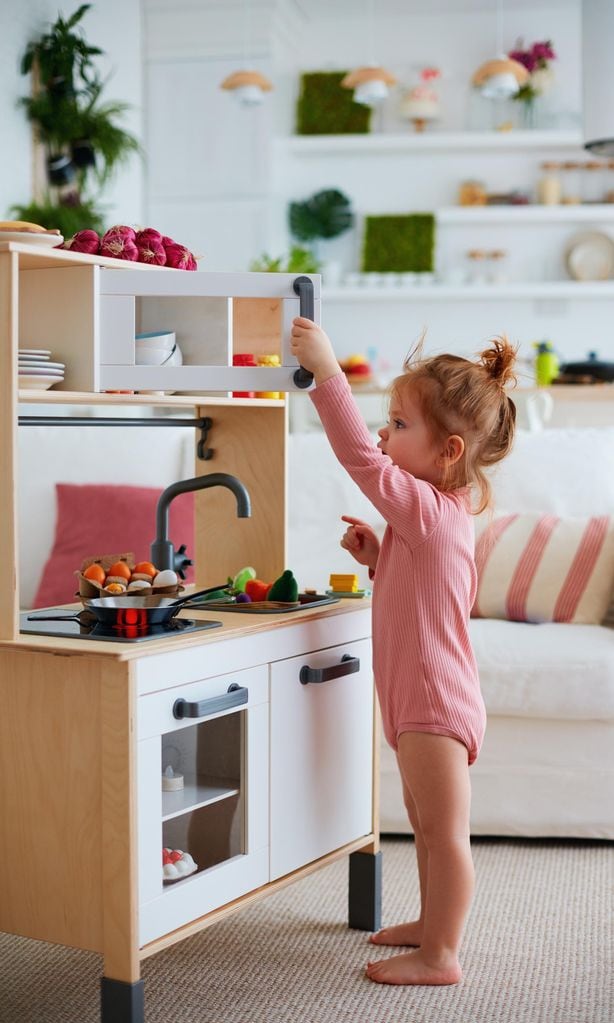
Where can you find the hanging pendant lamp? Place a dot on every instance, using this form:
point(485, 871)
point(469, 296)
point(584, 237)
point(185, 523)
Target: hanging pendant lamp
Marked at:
point(371, 83)
point(247, 86)
point(502, 77)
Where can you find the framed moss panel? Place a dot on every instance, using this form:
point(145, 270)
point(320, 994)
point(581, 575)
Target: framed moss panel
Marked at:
point(400, 243)
point(324, 108)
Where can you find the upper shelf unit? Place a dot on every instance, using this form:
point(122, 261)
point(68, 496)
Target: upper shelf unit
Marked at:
point(307, 145)
point(88, 313)
point(526, 214)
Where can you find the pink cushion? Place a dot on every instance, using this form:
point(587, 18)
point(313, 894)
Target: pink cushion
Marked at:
point(96, 518)
point(542, 568)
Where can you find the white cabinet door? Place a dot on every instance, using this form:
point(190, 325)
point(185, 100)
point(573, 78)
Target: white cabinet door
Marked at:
point(321, 754)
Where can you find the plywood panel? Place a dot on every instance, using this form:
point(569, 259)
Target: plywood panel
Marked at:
point(249, 443)
point(50, 798)
point(9, 603)
point(257, 326)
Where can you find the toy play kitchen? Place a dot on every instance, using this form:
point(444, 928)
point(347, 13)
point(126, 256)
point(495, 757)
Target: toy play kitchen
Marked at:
point(156, 783)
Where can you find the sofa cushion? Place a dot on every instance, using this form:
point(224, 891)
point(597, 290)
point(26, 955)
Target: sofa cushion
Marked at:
point(549, 671)
point(543, 568)
point(101, 519)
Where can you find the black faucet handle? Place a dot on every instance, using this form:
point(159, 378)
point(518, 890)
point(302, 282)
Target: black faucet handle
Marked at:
point(181, 562)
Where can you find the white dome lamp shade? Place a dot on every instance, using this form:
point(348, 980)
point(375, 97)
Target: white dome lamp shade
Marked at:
point(248, 87)
point(598, 76)
point(371, 85)
point(502, 77)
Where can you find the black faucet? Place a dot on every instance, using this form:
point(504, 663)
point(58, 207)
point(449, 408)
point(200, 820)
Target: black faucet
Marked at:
point(163, 554)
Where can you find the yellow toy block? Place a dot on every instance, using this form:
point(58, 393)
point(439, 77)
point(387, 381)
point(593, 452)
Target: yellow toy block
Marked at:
point(343, 583)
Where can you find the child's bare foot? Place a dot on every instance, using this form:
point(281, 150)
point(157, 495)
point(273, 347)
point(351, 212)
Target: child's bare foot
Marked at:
point(400, 934)
point(411, 968)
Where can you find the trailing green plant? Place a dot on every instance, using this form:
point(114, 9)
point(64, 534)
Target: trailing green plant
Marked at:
point(325, 214)
point(298, 260)
point(325, 108)
point(399, 243)
point(82, 135)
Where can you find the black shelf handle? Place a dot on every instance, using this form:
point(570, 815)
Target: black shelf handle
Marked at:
point(303, 287)
point(233, 697)
point(347, 666)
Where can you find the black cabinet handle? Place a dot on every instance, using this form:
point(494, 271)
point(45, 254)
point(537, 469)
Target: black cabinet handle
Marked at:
point(234, 697)
point(347, 666)
point(303, 287)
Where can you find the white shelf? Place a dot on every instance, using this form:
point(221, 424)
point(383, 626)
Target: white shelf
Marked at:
point(471, 292)
point(529, 214)
point(194, 795)
point(469, 140)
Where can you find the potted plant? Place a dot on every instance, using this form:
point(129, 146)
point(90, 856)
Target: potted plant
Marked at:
point(323, 216)
point(83, 139)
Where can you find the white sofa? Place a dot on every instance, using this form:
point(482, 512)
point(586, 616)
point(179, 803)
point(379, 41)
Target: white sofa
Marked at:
point(547, 764)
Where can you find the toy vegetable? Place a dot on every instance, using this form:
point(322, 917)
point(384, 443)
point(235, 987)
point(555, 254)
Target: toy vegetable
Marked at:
point(257, 590)
point(285, 588)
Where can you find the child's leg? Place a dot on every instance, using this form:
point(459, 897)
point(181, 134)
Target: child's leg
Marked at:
point(409, 933)
point(435, 767)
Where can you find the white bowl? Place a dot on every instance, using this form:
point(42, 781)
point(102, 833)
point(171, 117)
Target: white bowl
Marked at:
point(155, 339)
point(158, 357)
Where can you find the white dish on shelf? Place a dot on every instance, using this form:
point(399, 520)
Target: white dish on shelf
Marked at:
point(41, 353)
point(34, 365)
point(32, 237)
point(590, 256)
point(38, 383)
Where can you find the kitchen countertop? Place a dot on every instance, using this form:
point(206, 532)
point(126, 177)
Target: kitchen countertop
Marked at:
point(235, 626)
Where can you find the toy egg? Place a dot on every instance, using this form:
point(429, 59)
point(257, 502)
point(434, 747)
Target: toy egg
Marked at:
point(165, 578)
point(138, 584)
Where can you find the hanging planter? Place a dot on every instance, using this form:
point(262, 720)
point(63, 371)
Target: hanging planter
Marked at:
point(60, 169)
point(83, 154)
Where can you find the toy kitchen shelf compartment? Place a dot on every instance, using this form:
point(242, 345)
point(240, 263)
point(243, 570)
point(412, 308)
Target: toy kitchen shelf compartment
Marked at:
point(89, 315)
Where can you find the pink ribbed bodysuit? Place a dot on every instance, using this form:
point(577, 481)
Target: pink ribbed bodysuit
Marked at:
point(425, 581)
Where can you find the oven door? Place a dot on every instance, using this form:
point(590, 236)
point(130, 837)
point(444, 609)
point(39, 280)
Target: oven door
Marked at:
point(202, 793)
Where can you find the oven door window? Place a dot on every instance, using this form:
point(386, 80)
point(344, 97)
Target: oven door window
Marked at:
point(203, 790)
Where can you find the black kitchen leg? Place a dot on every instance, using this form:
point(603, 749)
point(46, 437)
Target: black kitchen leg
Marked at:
point(365, 891)
point(121, 1002)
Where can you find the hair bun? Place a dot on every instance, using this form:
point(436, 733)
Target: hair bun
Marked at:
point(499, 360)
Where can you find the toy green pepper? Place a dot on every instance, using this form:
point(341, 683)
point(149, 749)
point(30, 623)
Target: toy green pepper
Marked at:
point(285, 588)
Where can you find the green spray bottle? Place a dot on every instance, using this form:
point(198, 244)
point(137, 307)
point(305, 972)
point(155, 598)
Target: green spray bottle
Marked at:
point(546, 363)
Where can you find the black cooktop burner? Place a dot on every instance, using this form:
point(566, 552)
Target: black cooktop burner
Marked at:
point(83, 627)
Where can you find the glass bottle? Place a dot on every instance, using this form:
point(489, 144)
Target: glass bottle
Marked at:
point(477, 273)
point(571, 182)
point(549, 190)
point(593, 189)
point(497, 273)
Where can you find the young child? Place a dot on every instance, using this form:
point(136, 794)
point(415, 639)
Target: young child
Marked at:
point(449, 420)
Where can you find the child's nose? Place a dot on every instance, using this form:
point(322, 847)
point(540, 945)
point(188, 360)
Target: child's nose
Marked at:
point(382, 432)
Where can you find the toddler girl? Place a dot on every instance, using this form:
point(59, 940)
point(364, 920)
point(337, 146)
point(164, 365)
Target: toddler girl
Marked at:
point(449, 420)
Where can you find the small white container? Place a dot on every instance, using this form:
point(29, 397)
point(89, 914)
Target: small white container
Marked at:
point(156, 339)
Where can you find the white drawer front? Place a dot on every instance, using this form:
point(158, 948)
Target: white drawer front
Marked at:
point(321, 757)
point(155, 711)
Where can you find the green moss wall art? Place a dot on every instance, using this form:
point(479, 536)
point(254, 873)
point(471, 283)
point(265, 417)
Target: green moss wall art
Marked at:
point(324, 108)
point(399, 243)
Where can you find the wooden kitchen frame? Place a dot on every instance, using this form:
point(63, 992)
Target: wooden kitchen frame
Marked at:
point(70, 732)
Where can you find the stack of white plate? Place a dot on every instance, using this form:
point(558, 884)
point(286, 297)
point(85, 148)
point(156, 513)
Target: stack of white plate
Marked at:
point(36, 371)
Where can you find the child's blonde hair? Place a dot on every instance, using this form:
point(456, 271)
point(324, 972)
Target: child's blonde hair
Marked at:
point(458, 396)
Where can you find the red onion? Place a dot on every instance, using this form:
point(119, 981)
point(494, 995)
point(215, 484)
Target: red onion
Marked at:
point(179, 257)
point(151, 251)
point(119, 243)
point(148, 234)
point(85, 241)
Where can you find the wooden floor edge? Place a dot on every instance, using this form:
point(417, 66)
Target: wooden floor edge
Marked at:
point(366, 843)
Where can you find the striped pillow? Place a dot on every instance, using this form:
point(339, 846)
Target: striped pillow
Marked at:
point(541, 568)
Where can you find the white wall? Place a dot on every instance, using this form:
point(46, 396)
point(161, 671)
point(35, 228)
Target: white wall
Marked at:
point(114, 26)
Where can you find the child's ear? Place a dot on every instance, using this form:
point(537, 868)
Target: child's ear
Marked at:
point(453, 449)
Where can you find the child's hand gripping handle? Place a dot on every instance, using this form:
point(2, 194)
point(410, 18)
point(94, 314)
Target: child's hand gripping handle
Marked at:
point(303, 287)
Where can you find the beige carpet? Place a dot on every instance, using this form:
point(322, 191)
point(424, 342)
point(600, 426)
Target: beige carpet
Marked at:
point(538, 949)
